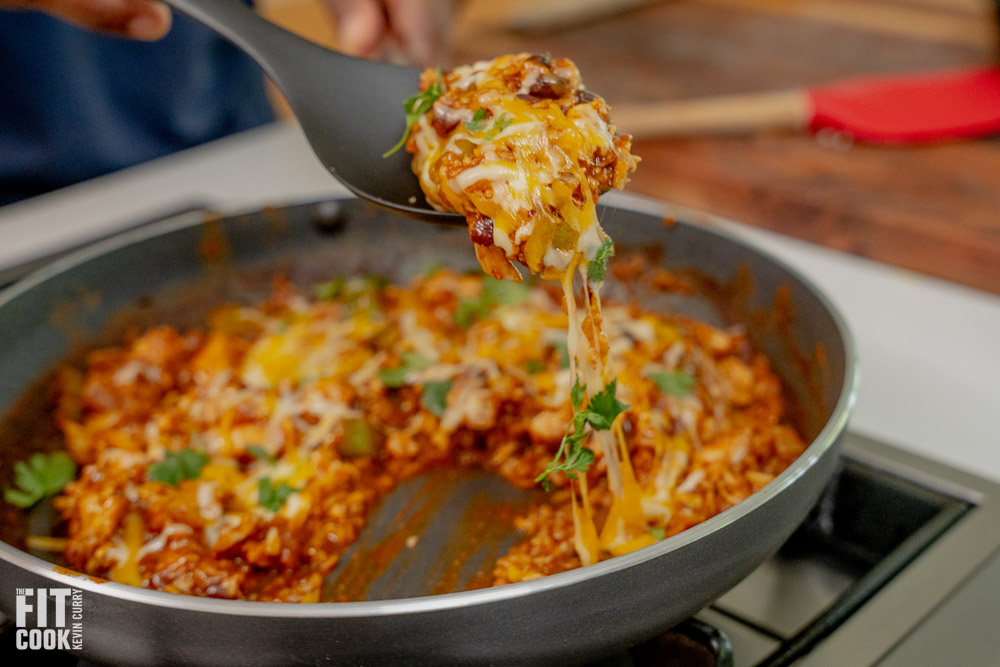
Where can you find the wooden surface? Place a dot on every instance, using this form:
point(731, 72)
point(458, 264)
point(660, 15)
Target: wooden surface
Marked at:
point(934, 209)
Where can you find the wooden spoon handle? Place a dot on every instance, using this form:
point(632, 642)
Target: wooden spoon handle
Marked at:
point(730, 114)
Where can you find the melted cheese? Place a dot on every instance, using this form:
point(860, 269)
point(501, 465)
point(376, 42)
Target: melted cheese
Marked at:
point(585, 538)
point(159, 542)
point(529, 145)
point(625, 526)
point(518, 142)
point(127, 546)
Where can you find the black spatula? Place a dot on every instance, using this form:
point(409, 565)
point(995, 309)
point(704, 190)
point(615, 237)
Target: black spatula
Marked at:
point(350, 109)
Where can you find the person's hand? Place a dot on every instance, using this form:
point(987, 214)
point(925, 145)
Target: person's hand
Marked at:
point(138, 19)
point(365, 27)
point(414, 27)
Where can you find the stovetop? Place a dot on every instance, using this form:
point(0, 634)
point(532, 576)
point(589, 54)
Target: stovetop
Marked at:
point(898, 564)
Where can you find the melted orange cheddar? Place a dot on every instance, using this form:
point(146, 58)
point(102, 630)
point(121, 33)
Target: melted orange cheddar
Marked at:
point(520, 148)
point(523, 150)
point(242, 460)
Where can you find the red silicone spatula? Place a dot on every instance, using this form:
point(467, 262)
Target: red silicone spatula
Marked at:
point(894, 109)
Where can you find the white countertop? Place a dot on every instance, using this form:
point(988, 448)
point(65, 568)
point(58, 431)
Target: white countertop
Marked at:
point(930, 350)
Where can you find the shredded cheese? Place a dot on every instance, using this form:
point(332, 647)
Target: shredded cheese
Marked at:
point(519, 147)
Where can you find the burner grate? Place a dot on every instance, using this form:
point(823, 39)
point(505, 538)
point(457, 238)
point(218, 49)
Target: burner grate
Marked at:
point(867, 528)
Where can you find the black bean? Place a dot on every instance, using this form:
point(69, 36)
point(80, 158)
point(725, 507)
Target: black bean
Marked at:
point(481, 231)
point(549, 86)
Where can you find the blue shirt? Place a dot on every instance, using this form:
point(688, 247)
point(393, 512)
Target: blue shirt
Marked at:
point(74, 104)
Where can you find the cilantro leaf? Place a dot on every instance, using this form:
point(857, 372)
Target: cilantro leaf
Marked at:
point(597, 420)
point(261, 454)
point(597, 270)
point(177, 467)
point(674, 383)
point(416, 361)
point(40, 476)
point(494, 293)
point(22, 499)
point(469, 310)
point(600, 412)
point(416, 106)
point(273, 497)
point(605, 407)
point(359, 439)
point(330, 289)
point(359, 291)
point(572, 457)
point(534, 366)
point(563, 350)
point(393, 377)
point(28, 479)
point(502, 122)
point(478, 121)
point(431, 267)
point(657, 533)
point(435, 396)
point(412, 362)
point(481, 118)
point(578, 459)
point(503, 292)
point(576, 393)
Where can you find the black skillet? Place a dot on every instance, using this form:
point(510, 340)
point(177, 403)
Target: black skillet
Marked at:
point(177, 270)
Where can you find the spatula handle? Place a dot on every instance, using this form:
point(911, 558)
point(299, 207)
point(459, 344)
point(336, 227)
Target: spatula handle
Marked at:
point(270, 45)
point(730, 114)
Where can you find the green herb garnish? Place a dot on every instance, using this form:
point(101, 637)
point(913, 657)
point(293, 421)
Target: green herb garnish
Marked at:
point(416, 106)
point(435, 396)
point(494, 293)
point(469, 310)
point(412, 362)
point(597, 270)
point(478, 121)
point(563, 348)
point(177, 467)
point(573, 457)
point(261, 454)
point(576, 394)
point(604, 407)
point(674, 383)
point(599, 414)
point(657, 533)
point(502, 122)
point(330, 289)
point(431, 267)
point(503, 292)
point(352, 290)
point(40, 476)
point(359, 439)
point(534, 366)
point(273, 497)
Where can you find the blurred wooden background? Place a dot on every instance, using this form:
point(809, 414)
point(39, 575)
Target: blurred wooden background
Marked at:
point(934, 209)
